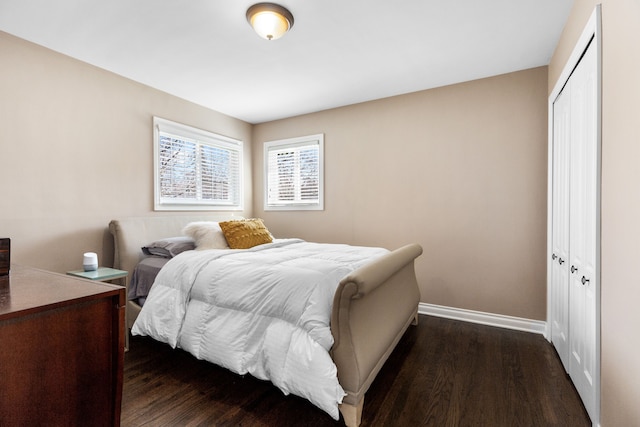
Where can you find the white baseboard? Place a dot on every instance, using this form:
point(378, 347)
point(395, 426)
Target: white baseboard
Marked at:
point(489, 319)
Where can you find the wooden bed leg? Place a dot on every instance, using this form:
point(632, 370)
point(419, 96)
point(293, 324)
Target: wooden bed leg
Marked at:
point(352, 414)
point(415, 320)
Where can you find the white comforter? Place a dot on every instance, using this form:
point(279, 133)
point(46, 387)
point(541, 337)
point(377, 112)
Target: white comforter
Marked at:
point(263, 311)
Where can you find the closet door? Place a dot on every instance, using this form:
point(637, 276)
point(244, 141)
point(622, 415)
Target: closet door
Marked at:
point(583, 252)
point(559, 313)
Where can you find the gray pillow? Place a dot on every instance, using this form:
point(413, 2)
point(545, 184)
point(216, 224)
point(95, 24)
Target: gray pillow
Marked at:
point(169, 247)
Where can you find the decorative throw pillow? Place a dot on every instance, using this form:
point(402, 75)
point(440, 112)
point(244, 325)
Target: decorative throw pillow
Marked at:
point(169, 247)
point(246, 233)
point(207, 235)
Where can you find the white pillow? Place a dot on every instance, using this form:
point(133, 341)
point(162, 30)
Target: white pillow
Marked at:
point(207, 235)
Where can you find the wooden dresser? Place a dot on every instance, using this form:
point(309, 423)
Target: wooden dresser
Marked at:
point(61, 350)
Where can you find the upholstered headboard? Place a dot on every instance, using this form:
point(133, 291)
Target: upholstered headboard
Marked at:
point(130, 234)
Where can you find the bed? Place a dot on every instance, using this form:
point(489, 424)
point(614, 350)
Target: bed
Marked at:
point(371, 308)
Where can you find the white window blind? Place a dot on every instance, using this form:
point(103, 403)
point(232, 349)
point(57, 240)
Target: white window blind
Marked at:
point(195, 169)
point(294, 173)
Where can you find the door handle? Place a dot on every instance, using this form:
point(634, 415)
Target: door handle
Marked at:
point(560, 261)
point(554, 256)
point(574, 269)
point(584, 280)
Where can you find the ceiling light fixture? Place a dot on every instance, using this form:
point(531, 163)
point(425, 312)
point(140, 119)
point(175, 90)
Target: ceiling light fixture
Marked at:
point(269, 20)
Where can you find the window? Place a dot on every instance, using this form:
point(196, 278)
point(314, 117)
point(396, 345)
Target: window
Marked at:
point(195, 169)
point(294, 174)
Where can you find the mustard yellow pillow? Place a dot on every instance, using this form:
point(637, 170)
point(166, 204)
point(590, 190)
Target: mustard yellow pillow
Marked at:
point(245, 233)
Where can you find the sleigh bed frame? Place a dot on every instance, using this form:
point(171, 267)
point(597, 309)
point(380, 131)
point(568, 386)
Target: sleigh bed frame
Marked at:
point(372, 307)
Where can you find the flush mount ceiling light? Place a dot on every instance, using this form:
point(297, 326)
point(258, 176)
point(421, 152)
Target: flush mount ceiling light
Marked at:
point(269, 20)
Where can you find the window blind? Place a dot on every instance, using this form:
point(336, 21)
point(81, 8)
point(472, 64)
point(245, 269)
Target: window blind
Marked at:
point(196, 168)
point(294, 173)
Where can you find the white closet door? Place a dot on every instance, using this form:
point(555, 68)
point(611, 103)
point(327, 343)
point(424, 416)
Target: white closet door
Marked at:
point(559, 315)
point(583, 230)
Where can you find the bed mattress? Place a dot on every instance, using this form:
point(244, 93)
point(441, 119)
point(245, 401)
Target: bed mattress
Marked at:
point(143, 277)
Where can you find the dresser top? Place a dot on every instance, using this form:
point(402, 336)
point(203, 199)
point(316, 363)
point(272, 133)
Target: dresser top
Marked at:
point(28, 290)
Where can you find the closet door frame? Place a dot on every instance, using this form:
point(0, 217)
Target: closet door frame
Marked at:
point(592, 33)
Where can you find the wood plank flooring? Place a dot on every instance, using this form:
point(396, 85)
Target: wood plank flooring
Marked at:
point(443, 373)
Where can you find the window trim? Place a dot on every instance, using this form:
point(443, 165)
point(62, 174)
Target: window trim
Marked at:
point(297, 141)
point(161, 125)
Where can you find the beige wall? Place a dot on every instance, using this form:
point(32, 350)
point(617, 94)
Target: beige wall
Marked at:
point(620, 288)
point(460, 170)
point(76, 151)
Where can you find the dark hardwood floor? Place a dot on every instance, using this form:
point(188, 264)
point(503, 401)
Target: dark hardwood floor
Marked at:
point(443, 373)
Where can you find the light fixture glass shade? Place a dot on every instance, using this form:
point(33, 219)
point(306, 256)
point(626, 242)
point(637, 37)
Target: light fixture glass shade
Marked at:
point(269, 20)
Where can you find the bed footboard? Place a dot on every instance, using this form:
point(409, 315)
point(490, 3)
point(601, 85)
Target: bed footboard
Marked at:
point(372, 308)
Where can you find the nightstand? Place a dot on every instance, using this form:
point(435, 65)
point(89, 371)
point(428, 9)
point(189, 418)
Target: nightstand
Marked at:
point(102, 274)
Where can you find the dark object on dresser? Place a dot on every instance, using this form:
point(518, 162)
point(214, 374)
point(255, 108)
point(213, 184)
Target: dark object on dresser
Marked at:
point(5, 256)
point(61, 350)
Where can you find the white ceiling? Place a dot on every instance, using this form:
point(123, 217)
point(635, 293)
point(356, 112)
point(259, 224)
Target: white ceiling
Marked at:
point(339, 52)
